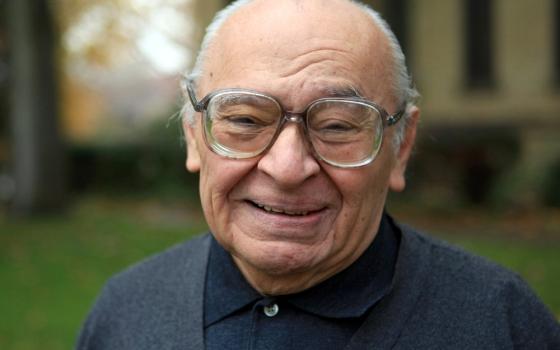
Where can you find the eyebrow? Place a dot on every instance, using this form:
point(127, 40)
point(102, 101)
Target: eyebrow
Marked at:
point(343, 91)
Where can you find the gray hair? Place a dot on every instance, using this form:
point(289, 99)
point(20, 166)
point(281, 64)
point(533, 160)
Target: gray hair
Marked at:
point(403, 88)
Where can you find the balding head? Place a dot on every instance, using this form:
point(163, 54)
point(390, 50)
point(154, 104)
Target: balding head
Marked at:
point(273, 30)
point(281, 38)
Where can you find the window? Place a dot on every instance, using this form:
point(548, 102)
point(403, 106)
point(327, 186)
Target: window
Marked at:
point(397, 17)
point(556, 42)
point(479, 36)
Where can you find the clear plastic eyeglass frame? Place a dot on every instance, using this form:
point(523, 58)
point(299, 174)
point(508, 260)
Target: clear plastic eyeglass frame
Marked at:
point(285, 117)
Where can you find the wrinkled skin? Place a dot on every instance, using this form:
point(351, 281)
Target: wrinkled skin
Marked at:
point(297, 52)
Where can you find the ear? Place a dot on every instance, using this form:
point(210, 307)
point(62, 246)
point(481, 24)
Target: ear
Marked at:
point(397, 181)
point(193, 156)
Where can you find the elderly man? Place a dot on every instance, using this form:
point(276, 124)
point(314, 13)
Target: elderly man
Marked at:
point(300, 119)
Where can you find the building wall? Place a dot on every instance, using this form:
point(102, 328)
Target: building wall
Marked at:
point(524, 91)
point(524, 99)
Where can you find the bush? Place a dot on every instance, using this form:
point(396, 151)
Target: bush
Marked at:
point(154, 161)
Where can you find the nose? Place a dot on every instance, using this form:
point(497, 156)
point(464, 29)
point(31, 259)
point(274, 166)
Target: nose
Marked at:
point(289, 161)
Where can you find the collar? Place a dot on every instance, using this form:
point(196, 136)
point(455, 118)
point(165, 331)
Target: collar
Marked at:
point(350, 293)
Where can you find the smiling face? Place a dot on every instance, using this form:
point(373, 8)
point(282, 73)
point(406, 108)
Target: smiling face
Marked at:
point(288, 219)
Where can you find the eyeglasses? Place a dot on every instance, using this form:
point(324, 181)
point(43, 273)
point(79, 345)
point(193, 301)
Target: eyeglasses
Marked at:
point(345, 132)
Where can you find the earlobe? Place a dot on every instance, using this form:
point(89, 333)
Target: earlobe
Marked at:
point(397, 181)
point(193, 156)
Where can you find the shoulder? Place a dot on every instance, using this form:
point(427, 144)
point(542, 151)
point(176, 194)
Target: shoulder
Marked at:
point(145, 305)
point(480, 298)
point(450, 263)
point(171, 266)
point(456, 273)
point(162, 278)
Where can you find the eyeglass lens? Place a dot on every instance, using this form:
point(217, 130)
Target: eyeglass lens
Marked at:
point(342, 132)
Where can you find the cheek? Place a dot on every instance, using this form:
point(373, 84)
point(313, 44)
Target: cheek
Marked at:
point(363, 193)
point(362, 189)
point(218, 178)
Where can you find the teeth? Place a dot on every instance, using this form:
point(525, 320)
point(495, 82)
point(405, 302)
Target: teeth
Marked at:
point(280, 211)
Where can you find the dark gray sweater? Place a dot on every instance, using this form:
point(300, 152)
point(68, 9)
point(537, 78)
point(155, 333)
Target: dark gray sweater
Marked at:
point(442, 298)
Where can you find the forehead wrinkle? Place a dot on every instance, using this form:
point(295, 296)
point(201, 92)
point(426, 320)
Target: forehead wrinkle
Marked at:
point(261, 24)
point(334, 58)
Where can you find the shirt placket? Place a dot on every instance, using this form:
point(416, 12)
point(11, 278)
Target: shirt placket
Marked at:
point(263, 311)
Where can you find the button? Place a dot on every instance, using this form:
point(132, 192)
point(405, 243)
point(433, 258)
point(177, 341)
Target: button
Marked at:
point(271, 310)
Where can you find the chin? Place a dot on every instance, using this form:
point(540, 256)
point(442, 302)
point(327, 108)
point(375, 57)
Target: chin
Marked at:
point(283, 258)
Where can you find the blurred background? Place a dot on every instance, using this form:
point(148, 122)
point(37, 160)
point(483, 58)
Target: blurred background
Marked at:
point(92, 172)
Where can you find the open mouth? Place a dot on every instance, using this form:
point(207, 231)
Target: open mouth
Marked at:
point(281, 211)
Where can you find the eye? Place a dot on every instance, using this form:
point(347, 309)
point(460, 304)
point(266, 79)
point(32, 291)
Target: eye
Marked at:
point(242, 120)
point(338, 127)
point(335, 126)
point(243, 116)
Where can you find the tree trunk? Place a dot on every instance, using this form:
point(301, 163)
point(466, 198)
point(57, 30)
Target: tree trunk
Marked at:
point(37, 150)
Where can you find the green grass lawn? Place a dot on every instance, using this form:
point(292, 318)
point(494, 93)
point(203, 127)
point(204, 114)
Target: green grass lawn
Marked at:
point(52, 268)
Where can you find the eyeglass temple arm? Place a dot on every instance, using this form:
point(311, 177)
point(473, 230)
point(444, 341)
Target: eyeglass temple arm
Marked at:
point(188, 87)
